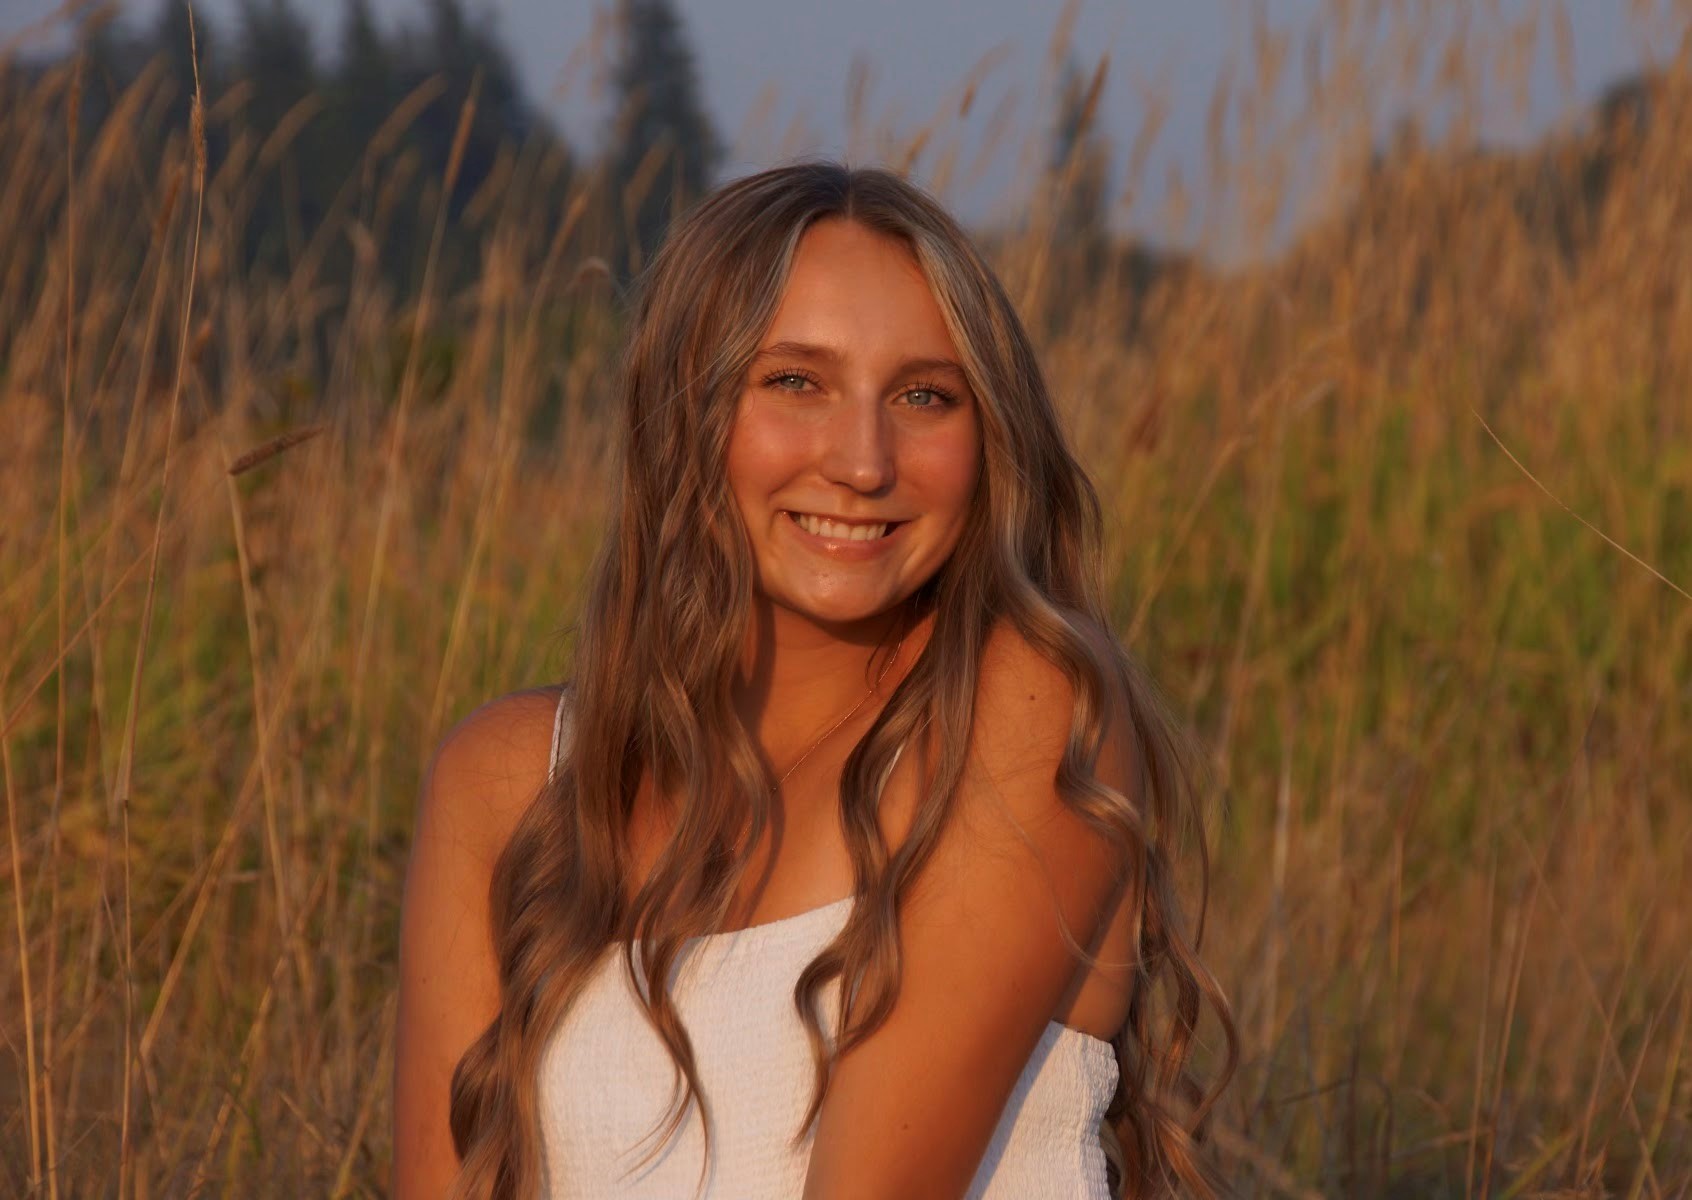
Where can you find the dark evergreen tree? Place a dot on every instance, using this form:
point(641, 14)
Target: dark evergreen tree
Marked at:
point(466, 55)
point(170, 42)
point(1077, 188)
point(463, 55)
point(1080, 162)
point(111, 59)
point(274, 57)
point(365, 84)
point(663, 152)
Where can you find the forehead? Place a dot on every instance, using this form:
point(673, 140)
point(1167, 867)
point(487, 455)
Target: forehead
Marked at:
point(860, 292)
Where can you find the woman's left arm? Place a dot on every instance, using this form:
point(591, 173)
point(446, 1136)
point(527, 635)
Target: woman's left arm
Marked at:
point(911, 1109)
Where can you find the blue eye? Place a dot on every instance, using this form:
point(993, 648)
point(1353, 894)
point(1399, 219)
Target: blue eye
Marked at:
point(939, 396)
point(777, 380)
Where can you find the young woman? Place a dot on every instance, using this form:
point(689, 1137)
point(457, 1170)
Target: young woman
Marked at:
point(842, 866)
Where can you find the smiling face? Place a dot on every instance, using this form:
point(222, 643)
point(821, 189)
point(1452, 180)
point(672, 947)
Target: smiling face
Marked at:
point(856, 447)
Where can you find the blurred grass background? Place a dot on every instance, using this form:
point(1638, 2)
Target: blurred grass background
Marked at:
point(293, 475)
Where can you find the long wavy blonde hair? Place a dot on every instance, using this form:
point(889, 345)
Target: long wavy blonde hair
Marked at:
point(668, 605)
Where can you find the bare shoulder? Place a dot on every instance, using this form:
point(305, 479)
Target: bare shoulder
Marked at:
point(488, 768)
point(1014, 878)
point(1026, 707)
point(482, 777)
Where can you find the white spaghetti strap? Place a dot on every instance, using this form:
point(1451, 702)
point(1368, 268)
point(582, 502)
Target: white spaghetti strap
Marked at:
point(561, 721)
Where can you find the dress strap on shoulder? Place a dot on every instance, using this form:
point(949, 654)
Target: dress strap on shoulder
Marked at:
point(563, 724)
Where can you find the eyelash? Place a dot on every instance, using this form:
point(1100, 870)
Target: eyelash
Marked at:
point(947, 398)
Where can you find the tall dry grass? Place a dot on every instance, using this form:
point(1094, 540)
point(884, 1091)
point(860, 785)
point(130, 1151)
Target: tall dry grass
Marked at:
point(1401, 513)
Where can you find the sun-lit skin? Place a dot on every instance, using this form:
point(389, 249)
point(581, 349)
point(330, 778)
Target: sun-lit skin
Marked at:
point(875, 423)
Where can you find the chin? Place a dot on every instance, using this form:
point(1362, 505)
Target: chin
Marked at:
point(839, 610)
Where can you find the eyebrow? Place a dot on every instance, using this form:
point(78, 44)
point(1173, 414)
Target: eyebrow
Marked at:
point(829, 354)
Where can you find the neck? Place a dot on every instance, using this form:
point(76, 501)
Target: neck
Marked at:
point(798, 676)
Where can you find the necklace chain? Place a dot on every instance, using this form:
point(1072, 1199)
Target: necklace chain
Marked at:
point(829, 732)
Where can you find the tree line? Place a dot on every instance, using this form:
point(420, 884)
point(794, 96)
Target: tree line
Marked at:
point(319, 120)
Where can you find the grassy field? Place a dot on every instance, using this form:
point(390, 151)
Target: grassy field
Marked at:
point(1401, 516)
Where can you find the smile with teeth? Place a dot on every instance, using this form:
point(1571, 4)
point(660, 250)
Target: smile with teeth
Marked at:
point(842, 530)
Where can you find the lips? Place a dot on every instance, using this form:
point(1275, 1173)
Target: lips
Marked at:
point(838, 530)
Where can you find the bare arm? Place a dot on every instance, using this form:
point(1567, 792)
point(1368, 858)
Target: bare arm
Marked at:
point(481, 780)
point(910, 1111)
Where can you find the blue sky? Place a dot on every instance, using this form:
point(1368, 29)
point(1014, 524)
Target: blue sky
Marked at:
point(776, 73)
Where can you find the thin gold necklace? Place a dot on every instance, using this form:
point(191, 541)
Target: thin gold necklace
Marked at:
point(849, 714)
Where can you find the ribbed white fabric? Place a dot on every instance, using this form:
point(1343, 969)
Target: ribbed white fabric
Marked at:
point(605, 1081)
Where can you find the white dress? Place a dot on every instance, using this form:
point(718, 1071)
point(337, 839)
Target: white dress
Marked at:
point(605, 1081)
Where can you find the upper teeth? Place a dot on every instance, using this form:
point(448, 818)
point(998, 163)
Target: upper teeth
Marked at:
point(823, 527)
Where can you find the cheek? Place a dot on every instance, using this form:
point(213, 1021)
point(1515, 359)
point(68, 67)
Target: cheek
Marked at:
point(946, 468)
point(760, 457)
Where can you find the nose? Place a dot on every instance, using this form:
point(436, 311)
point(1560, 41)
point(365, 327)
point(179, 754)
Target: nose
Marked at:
point(858, 446)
